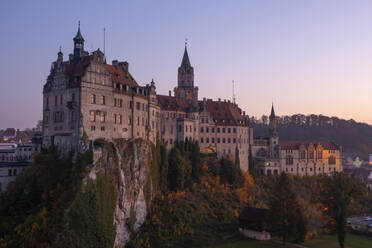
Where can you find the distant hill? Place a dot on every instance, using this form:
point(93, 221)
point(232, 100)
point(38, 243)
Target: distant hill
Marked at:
point(354, 137)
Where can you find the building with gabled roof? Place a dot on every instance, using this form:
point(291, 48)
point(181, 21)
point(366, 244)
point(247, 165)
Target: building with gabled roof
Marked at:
point(304, 158)
point(85, 99)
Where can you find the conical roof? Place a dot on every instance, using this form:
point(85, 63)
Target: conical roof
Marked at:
point(185, 59)
point(272, 115)
point(78, 36)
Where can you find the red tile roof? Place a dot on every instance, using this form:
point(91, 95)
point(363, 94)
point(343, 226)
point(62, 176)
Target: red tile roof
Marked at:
point(9, 132)
point(172, 103)
point(224, 113)
point(294, 145)
point(119, 76)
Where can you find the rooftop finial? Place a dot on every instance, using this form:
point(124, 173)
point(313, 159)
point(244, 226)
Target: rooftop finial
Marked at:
point(60, 49)
point(185, 42)
point(79, 24)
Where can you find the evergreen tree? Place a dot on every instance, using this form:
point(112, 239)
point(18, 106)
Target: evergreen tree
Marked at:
point(250, 162)
point(196, 167)
point(339, 192)
point(286, 218)
point(237, 159)
point(163, 168)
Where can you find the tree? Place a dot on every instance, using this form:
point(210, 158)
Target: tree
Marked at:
point(237, 159)
point(286, 215)
point(163, 168)
point(339, 192)
point(250, 162)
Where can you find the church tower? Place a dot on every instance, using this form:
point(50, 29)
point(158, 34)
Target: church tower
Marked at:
point(273, 134)
point(78, 45)
point(185, 88)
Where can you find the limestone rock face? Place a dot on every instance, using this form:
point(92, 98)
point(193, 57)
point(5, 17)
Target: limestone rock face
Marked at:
point(129, 161)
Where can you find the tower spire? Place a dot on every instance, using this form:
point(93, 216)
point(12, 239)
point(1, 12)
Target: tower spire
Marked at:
point(185, 59)
point(272, 110)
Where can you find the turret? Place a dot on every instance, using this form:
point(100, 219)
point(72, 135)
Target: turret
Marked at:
point(78, 45)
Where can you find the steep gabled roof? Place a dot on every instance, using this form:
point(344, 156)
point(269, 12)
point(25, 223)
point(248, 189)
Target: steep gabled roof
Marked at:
point(224, 113)
point(172, 103)
point(119, 76)
point(294, 145)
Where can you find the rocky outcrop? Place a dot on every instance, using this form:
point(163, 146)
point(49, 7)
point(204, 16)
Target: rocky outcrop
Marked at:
point(129, 162)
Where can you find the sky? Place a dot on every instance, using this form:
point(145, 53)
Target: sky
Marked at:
point(309, 57)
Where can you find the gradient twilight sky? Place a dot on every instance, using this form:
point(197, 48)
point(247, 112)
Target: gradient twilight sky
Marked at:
point(310, 57)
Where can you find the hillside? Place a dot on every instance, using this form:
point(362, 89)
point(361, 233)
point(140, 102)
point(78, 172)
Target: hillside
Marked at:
point(354, 137)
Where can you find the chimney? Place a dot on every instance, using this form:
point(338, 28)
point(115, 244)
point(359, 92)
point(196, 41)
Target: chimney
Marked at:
point(170, 93)
point(124, 66)
point(115, 63)
point(219, 99)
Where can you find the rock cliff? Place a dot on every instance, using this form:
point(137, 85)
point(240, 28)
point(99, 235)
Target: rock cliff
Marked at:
point(128, 162)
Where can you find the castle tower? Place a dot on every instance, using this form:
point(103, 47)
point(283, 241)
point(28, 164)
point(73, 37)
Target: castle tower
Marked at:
point(78, 45)
point(273, 134)
point(185, 88)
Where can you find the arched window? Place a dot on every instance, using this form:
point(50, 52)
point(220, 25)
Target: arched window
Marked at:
point(320, 154)
point(289, 160)
point(311, 154)
point(303, 154)
point(332, 160)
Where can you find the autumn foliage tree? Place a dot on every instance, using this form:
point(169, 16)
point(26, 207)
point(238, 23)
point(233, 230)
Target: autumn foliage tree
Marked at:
point(339, 193)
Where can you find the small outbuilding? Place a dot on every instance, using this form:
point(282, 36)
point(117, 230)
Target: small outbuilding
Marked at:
point(253, 223)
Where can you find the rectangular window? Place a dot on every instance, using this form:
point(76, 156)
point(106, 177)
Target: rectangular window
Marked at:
point(201, 140)
point(61, 100)
point(223, 140)
point(92, 116)
point(120, 103)
point(115, 118)
point(72, 115)
point(229, 130)
point(218, 130)
point(56, 100)
point(93, 99)
point(138, 106)
point(212, 140)
point(218, 140)
point(103, 128)
point(103, 100)
point(234, 130)
point(120, 119)
point(103, 116)
point(207, 130)
point(73, 97)
point(9, 172)
point(234, 140)
point(179, 128)
point(47, 102)
point(212, 129)
point(138, 121)
point(224, 130)
point(207, 140)
point(114, 102)
point(228, 140)
point(129, 120)
point(93, 128)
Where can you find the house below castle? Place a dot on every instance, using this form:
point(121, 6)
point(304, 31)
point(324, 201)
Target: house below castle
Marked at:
point(304, 158)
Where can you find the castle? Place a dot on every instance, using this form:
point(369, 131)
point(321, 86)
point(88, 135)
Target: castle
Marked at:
point(85, 98)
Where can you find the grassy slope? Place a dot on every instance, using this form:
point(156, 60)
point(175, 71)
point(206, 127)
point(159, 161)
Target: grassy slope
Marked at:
point(326, 241)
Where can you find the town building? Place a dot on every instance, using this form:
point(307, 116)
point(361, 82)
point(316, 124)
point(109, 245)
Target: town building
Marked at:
point(303, 158)
point(13, 159)
point(85, 98)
